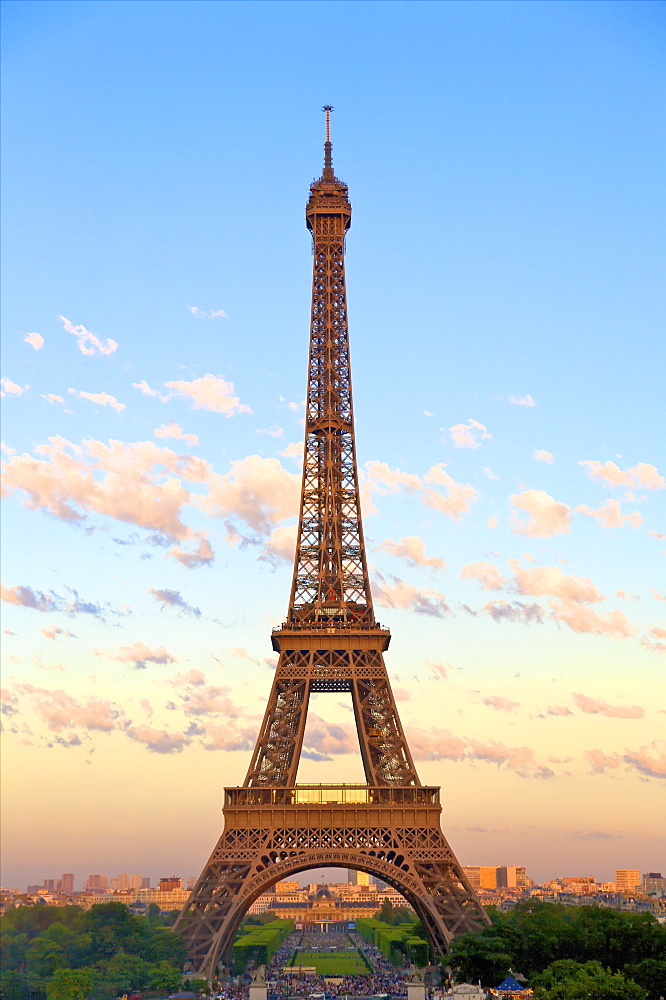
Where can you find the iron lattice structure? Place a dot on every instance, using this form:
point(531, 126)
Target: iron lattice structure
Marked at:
point(330, 642)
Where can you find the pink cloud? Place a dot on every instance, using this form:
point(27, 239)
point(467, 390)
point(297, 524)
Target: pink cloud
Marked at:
point(203, 555)
point(539, 455)
point(121, 481)
point(157, 740)
point(211, 392)
point(10, 388)
point(25, 597)
point(412, 549)
point(522, 400)
point(558, 710)
point(257, 491)
point(595, 706)
point(323, 739)
point(526, 614)
point(542, 580)
point(174, 599)
point(403, 595)
point(101, 398)
point(455, 502)
point(467, 435)
point(62, 711)
point(601, 762)
point(501, 704)
point(35, 340)
point(518, 759)
point(486, 573)
point(648, 760)
point(140, 654)
point(192, 676)
point(546, 516)
point(435, 744)
point(174, 430)
point(281, 543)
point(610, 515)
point(228, 738)
point(642, 474)
point(583, 619)
point(439, 671)
point(87, 342)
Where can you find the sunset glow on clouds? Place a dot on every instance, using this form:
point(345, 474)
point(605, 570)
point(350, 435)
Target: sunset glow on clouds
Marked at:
point(152, 448)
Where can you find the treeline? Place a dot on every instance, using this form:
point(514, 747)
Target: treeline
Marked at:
point(67, 953)
point(566, 952)
point(259, 943)
point(401, 943)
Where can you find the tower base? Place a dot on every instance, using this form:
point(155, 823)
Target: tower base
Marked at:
point(272, 833)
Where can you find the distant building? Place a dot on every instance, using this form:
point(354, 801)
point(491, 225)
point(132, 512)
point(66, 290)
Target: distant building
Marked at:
point(511, 877)
point(145, 882)
point(134, 882)
point(627, 879)
point(358, 878)
point(654, 883)
point(170, 882)
point(67, 883)
point(481, 876)
point(582, 884)
point(95, 883)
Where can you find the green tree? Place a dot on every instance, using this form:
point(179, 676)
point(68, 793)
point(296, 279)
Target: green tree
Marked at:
point(197, 985)
point(483, 956)
point(43, 957)
point(650, 974)
point(70, 984)
point(13, 985)
point(386, 913)
point(569, 980)
point(163, 978)
point(126, 973)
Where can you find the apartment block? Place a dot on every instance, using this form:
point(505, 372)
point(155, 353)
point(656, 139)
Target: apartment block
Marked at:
point(627, 879)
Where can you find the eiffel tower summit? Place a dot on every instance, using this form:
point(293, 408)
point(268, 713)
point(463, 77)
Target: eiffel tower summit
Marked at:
point(330, 642)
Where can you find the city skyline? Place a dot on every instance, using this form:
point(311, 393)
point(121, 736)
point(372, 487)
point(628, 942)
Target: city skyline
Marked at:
point(505, 314)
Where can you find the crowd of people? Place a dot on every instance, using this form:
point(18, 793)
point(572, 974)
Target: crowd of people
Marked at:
point(382, 979)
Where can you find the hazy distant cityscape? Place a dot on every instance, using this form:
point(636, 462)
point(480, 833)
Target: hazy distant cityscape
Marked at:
point(361, 895)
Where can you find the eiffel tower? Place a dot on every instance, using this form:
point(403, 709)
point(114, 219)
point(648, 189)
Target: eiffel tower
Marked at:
point(330, 642)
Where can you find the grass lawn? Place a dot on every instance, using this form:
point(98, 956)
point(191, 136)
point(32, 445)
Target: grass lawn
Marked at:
point(330, 963)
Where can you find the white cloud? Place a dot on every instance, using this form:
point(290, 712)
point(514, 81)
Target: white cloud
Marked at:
point(522, 400)
point(546, 516)
point(539, 455)
point(465, 435)
point(100, 398)
point(51, 397)
point(87, 342)
point(489, 473)
point(211, 392)
point(207, 313)
point(35, 340)
point(10, 388)
point(174, 430)
point(293, 450)
point(145, 388)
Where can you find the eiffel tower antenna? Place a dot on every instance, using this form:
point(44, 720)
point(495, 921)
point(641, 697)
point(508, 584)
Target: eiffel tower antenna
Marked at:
point(329, 642)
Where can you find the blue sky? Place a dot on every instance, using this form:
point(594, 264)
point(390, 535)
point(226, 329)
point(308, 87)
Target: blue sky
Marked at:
point(505, 282)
